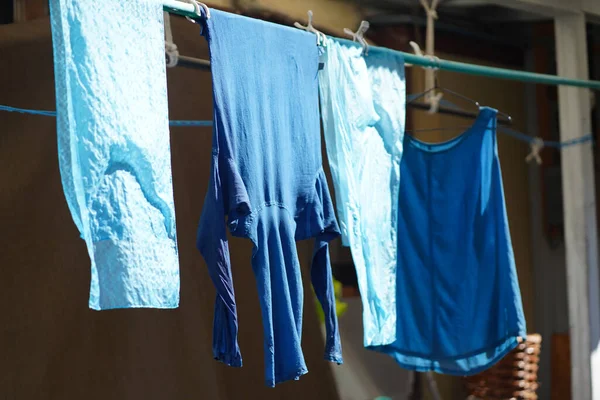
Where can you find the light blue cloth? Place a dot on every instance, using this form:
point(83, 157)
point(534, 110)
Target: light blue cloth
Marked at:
point(458, 298)
point(113, 143)
point(363, 112)
point(267, 179)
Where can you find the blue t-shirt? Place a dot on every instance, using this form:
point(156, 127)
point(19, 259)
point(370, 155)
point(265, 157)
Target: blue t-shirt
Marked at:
point(267, 179)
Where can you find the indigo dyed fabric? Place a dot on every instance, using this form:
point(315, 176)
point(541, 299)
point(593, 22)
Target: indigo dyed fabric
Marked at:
point(458, 298)
point(267, 180)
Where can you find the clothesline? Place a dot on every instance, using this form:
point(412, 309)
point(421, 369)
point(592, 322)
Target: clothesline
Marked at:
point(198, 123)
point(442, 108)
point(547, 143)
point(46, 113)
point(186, 9)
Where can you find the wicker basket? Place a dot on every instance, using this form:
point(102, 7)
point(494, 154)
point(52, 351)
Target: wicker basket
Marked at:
point(512, 378)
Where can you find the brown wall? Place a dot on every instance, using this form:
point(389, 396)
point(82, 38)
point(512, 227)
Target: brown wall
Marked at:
point(51, 345)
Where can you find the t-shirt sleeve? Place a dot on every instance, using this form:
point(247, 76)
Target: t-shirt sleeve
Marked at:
point(213, 245)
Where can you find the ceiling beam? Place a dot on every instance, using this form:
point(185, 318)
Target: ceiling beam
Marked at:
point(548, 8)
point(592, 9)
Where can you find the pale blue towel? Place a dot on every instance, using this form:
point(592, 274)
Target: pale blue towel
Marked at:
point(113, 144)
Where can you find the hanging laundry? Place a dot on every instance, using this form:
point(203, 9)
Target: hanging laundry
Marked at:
point(458, 298)
point(267, 178)
point(363, 112)
point(113, 144)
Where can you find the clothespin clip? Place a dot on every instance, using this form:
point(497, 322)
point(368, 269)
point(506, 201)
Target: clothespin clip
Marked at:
point(310, 28)
point(416, 48)
point(537, 144)
point(359, 35)
point(197, 5)
point(431, 10)
point(434, 102)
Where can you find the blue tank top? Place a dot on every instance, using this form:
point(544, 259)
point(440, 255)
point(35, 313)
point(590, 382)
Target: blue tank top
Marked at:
point(458, 301)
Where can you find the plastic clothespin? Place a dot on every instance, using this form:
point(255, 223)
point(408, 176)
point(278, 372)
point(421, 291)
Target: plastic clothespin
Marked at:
point(431, 10)
point(359, 35)
point(416, 48)
point(537, 144)
point(197, 5)
point(310, 28)
point(434, 102)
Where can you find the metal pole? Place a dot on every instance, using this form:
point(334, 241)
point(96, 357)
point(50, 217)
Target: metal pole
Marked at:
point(500, 73)
point(492, 72)
point(180, 8)
point(579, 203)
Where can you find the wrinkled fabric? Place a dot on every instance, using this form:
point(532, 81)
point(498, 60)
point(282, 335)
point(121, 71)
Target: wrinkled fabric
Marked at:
point(267, 179)
point(113, 143)
point(363, 112)
point(458, 297)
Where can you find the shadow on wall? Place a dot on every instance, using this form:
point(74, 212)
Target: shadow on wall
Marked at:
point(367, 374)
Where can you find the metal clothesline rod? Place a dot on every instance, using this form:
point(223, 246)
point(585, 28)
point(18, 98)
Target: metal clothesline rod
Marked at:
point(491, 72)
point(195, 63)
point(499, 73)
point(187, 9)
point(180, 8)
